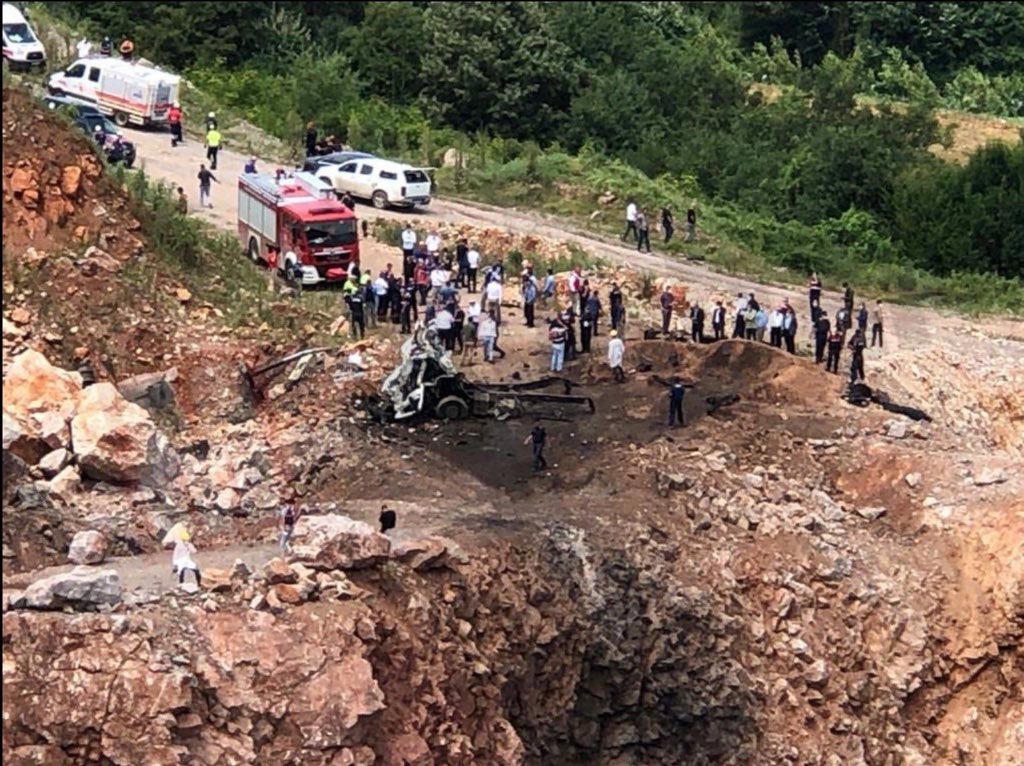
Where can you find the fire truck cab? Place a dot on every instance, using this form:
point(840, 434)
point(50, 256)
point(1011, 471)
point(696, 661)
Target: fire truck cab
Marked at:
point(297, 213)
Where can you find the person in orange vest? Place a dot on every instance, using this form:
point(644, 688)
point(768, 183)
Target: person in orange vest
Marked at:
point(174, 115)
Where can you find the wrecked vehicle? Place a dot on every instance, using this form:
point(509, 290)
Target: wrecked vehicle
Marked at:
point(426, 383)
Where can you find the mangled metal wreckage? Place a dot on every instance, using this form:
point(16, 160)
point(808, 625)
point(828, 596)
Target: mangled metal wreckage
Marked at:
point(426, 383)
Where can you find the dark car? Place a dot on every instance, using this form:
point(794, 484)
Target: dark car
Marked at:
point(313, 164)
point(86, 117)
point(115, 146)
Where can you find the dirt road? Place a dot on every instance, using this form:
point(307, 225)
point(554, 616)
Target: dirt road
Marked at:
point(909, 328)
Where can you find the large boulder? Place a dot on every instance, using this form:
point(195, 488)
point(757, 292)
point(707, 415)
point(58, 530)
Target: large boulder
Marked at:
point(38, 401)
point(88, 547)
point(429, 553)
point(82, 589)
point(337, 542)
point(116, 441)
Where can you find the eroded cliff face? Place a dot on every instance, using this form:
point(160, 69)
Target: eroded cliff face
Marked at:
point(629, 651)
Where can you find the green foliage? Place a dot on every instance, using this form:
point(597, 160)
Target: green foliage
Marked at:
point(971, 91)
point(900, 80)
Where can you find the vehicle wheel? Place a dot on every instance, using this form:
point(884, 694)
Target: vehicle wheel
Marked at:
point(254, 251)
point(379, 199)
point(451, 408)
point(121, 119)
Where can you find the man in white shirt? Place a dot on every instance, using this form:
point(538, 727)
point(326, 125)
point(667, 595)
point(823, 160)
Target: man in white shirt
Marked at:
point(616, 353)
point(631, 222)
point(438, 279)
point(740, 329)
point(775, 328)
point(408, 246)
point(493, 295)
point(473, 258)
point(443, 323)
point(433, 243)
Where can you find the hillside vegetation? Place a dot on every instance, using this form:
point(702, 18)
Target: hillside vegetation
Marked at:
point(655, 99)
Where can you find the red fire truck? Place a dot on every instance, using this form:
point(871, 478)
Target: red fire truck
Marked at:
point(297, 213)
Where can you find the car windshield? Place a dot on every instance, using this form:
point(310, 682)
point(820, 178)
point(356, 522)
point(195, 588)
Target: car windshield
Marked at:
point(19, 33)
point(331, 233)
point(415, 177)
point(92, 120)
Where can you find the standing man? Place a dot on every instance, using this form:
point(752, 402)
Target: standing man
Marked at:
point(576, 289)
point(616, 306)
point(205, 176)
point(487, 331)
point(616, 353)
point(354, 299)
point(493, 294)
point(182, 201)
point(857, 346)
point(433, 243)
point(822, 330)
point(876, 325)
point(760, 324)
point(675, 404)
point(586, 330)
point(740, 329)
point(174, 115)
point(644, 238)
point(409, 314)
point(444, 321)
point(696, 323)
point(667, 223)
point(667, 301)
point(462, 259)
point(408, 251)
point(718, 320)
point(557, 335)
point(848, 298)
point(835, 348)
point(592, 310)
point(814, 290)
point(631, 222)
point(549, 287)
point(421, 278)
point(789, 325)
point(775, 328)
point(691, 225)
point(311, 139)
point(529, 299)
point(862, 320)
point(538, 437)
point(289, 515)
point(473, 261)
point(212, 146)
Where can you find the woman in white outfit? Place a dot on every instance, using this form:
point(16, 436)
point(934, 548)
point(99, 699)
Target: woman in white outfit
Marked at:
point(182, 560)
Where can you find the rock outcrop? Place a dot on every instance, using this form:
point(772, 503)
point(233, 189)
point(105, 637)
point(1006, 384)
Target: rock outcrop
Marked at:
point(38, 403)
point(337, 542)
point(83, 589)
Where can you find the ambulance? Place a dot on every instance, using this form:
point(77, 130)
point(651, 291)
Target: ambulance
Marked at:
point(22, 49)
point(126, 91)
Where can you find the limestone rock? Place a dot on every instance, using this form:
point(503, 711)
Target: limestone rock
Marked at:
point(54, 462)
point(88, 547)
point(66, 483)
point(896, 429)
point(871, 513)
point(117, 441)
point(81, 589)
point(337, 542)
point(38, 401)
point(277, 571)
point(988, 475)
point(913, 480)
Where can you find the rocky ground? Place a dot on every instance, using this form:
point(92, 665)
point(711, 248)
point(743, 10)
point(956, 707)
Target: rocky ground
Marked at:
point(790, 579)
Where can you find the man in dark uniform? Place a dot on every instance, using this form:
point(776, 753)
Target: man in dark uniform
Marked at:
point(848, 298)
point(667, 301)
point(538, 437)
point(675, 403)
point(822, 328)
point(617, 308)
point(718, 321)
point(857, 344)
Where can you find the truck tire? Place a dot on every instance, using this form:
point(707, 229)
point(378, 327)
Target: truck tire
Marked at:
point(254, 251)
point(452, 408)
point(379, 199)
point(121, 119)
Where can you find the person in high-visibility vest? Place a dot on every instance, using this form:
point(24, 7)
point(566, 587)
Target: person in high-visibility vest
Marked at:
point(174, 115)
point(212, 146)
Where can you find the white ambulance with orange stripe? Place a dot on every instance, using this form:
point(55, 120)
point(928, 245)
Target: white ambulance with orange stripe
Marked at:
point(127, 91)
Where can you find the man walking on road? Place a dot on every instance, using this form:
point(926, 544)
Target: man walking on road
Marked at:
point(631, 222)
point(212, 146)
point(644, 238)
point(205, 176)
point(538, 437)
point(174, 120)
